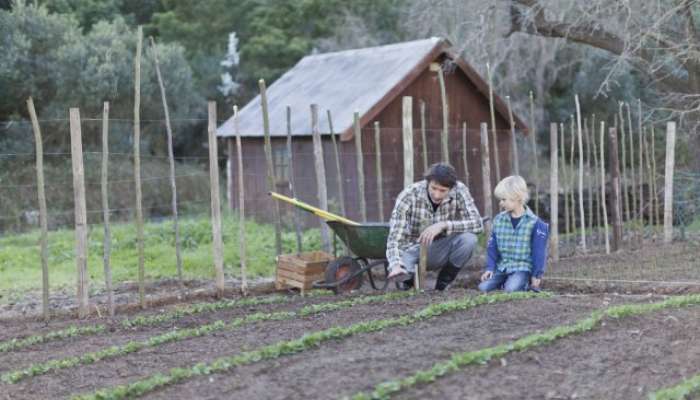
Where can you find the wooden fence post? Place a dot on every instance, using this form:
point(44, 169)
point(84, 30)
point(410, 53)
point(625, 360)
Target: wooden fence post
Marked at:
point(171, 162)
point(341, 182)
point(380, 184)
point(572, 174)
point(668, 181)
point(407, 140)
point(633, 173)
point(217, 241)
point(445, 153)
point(44, 238)
point(271, 178)
point(320, 176)
point(422, 270)
point(589, 172)
point(486, 177)
point(623, 163)
point(565, 180)
point(533, 141)
point(137, 167)
point(360, 166)
point(616, 192)
point(465, 151)
point(81, 234)
point(649, 177)
point(602, 186)
point(494, 138)
point(230, 159)
point(241, 202)
point(424, 141)
point(554, 191)
point(596, 167)
point(582, 211)
point(514, 142)
point(657, 213)
point(107, 242)
point(641, 168)
point(292, 179)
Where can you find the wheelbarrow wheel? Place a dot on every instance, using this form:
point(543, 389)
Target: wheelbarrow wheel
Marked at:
point(343, 269)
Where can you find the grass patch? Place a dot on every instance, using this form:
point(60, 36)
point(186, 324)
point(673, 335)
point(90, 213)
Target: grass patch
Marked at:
point(386, 389)
point(303, 343)
point(20, 263)
point(182, 334)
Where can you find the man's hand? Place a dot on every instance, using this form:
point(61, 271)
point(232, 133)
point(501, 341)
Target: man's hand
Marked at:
point(431, 232)
point(486, 276)
point(535, 282)
point(396, 270)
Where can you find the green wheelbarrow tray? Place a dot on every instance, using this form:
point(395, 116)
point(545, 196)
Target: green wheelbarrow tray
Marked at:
point(368, 244)
point(366, 240)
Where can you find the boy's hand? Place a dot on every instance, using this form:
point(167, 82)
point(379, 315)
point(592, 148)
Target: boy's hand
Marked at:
point(535, 282)
point(431, 232)
point(486, 276)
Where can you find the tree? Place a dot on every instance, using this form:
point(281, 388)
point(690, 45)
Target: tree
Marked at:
point(659, 39)
point(50, 59)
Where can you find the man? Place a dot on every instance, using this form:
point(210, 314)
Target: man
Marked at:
point(437, 211)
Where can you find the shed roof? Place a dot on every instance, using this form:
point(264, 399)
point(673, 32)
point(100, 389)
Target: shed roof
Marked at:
point(361, 80)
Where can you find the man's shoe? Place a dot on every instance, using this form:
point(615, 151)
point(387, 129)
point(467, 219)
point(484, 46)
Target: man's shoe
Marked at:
point(447, 274)
point(408, 283)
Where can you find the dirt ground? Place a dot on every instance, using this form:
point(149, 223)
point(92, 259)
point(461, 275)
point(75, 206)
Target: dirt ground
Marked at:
point(621, 360)
point(343, 367)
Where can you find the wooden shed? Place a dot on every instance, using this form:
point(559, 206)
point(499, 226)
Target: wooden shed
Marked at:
point(372, 82)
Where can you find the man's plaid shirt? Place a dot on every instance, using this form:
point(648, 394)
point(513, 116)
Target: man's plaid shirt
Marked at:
point(413, 213)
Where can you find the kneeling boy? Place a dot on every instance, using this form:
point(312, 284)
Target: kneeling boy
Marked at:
point(516, 253)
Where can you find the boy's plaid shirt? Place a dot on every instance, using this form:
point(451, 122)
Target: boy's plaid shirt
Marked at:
point(413, 213)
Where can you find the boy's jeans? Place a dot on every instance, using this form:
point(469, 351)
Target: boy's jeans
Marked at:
point(513, 282)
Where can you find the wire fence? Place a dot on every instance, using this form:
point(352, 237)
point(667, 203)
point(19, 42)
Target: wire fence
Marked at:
point(19, 217)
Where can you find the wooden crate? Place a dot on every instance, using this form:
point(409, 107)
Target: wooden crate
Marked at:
point(301, 270)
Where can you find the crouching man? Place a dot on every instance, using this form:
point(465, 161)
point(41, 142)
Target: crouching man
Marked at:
point(439, 212)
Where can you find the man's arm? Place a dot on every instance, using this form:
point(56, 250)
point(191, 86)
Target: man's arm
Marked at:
point(398, 228)
point(469, 217)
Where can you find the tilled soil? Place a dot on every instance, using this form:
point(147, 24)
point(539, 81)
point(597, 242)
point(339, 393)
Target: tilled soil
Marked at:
point(116, 334)
point(344, 367)
point(624, 359)
point(183, 353)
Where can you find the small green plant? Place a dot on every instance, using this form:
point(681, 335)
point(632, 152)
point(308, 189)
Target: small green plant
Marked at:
point(385, 390)
point(74, 330)
point(683, 390)
point(303, 343)
point(182, 334)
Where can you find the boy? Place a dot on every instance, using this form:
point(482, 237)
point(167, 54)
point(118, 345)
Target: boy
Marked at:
point(516, 253)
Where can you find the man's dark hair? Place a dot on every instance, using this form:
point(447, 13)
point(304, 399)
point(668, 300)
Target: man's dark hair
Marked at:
point(443, 174)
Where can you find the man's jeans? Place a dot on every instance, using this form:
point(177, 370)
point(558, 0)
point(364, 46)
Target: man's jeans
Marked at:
point(455, 249)
point(513, 282)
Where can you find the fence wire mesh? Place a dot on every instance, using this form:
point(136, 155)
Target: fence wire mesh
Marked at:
point(643, 259)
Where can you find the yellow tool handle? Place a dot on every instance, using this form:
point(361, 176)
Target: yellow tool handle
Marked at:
point(319, 212)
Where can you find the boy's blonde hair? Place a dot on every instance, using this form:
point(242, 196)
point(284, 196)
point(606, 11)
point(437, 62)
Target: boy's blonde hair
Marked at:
point(512, 187)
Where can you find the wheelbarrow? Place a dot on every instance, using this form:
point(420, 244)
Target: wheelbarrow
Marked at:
point(367, 243)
